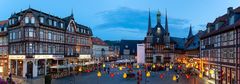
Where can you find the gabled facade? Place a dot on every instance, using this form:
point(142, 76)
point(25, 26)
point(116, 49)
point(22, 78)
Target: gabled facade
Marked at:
point(39, 43)
point(220, 48)
point(3, 48)
point(158, 47)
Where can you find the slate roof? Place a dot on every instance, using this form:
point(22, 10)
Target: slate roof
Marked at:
point(178, 42)
point(46, 16)
point(131, 45)
point(224, 19)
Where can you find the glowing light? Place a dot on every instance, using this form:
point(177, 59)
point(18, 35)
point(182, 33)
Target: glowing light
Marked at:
point(174, 78)
point(99, 74)
point(211, 71)
point(200, 75)
point(80, 69)
point(137, 66)
point(124, 75)
point(153, 66)
point(170, 66)
point(104, 65)
point(120, 68)
point(148, 74)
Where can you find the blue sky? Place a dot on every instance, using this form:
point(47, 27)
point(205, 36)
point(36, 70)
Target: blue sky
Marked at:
point(127, 19)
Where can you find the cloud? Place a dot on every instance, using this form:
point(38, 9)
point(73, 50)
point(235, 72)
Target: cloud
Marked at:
point(126, 22)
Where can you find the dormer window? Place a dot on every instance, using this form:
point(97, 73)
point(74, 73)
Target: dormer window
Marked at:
point(12, 21)
point(26, 19)
point(9, 22)
point(61, 25)
point(41, 19)
point(50, 22)
point(32, 20)
point(55, 23)
point(19, 17)
point(5, 28)
point(232, 20)
point(217, 25)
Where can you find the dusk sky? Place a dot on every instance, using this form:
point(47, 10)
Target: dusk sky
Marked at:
point(127, 19)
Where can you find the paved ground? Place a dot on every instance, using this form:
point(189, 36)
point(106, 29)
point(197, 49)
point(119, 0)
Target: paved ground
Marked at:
point(91, 78)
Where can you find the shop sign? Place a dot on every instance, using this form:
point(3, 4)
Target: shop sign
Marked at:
point(48, 56)
point(84, 56)
point(17, 56)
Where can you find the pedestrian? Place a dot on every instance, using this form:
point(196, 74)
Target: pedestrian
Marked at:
point(177, 77)
point(108, 70)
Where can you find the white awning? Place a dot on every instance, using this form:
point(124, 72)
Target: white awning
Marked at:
point(49, 56)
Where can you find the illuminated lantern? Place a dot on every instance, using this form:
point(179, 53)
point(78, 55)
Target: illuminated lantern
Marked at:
point(170, 67)
point(137, 66)
point(99, 74)
point(104, 65)
point(211, 71)
point(200, 75)
point(124, 75)
point(120, 68)
point(161, 76)
point(80, 69)
point(196, 66)
point(148, 74)
point(112, 75)
point(174, 78)
point(153, 66)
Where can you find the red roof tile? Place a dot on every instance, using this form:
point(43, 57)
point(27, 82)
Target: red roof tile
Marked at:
point(98, 41)
point(3, 22)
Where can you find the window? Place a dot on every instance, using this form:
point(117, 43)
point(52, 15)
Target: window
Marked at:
point(61, 25)
point(41, 19)
point(14, 36)
point(10, 35)
point(49, 35)
point(13, 21)
point(32, 20)
point(231, 21)
point(41, 34)
point(50, 22)
point(9, 22)
point(26, 19)
point(40, 48)
point(19, 17)
point(30, 32)
point(55, 23)
point(19, 34)
point(49, 49)
point(30, 48)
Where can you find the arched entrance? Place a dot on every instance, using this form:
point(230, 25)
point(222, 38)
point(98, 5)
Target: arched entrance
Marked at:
point(29, 69)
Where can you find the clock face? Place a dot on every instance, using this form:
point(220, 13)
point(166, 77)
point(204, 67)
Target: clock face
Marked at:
point(158, 30)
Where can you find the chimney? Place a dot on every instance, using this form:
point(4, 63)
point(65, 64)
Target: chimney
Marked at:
point(230, 10)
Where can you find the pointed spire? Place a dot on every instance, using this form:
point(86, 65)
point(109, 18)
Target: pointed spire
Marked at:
point(190, 32)
point(149, 23)
point(158, 17)
point(72, 12)
point(166, 22)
